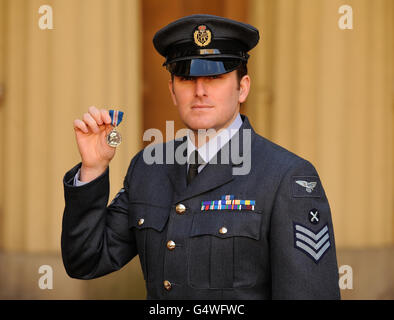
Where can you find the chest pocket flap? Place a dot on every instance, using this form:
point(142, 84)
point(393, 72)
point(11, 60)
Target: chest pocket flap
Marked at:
point(225, 224)
point(144, 216)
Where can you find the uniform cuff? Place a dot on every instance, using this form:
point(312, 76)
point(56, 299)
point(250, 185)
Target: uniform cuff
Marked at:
point(77, 182)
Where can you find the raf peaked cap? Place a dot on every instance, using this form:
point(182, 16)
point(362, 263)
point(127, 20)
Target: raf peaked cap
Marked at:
point(205, 45)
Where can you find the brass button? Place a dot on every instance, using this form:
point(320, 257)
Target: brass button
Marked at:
point(141, 222)
point(223, 230)
point(167, 285)
point(180, 209)
point(171, 245)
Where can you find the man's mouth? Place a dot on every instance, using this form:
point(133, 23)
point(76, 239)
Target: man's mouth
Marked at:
point(202, 106)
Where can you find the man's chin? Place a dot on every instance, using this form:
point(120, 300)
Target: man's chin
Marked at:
point(200, 125)
point(196, 123)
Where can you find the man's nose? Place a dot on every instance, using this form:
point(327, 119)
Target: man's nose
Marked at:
point(200, 89)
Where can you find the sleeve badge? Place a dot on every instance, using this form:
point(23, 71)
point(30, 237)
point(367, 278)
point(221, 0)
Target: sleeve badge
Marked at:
point(313, 244)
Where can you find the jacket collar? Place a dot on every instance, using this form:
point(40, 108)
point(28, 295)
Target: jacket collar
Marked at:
point(214, 174)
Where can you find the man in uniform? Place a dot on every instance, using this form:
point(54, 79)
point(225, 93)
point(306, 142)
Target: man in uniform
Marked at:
point(202, 229)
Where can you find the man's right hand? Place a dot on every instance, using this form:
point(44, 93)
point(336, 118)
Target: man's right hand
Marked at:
point(91, 133)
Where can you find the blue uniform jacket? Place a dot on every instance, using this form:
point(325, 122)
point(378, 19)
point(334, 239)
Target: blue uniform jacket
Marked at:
point(279, 245)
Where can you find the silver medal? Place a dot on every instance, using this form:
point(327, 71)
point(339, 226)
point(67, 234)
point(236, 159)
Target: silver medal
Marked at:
point(114, 138)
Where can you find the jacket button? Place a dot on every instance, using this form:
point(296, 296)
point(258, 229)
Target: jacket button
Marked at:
point(180, 209)
point(167, 285)
point(171, 245)
point(141, 222)
point(223, 230)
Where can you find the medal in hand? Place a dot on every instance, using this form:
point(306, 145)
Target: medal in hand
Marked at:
point(114, 138)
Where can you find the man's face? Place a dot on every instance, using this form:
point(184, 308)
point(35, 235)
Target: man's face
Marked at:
point(209, 102)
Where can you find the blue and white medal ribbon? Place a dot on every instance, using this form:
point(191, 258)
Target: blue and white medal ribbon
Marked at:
point(116, 117)
point(114, 138)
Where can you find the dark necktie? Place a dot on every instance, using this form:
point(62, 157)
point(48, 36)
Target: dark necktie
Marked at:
point(194, 162)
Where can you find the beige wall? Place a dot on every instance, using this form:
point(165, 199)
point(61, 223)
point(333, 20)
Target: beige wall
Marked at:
point(2, 83)
point(328, 95)
point(324, 93)
point(91, 57)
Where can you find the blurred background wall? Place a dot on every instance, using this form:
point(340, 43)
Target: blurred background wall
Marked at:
point(324, 93)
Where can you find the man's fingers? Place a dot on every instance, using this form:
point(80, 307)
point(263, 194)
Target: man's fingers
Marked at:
point(105, 116)
point(93, 119)
point(90, 122)
point(96, 115)
point(79, 124)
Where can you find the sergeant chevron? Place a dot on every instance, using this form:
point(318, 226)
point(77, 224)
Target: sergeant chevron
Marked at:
point(313, 244)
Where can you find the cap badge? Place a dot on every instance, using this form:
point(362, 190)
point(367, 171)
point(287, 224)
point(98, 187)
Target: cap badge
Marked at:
point(202, 36)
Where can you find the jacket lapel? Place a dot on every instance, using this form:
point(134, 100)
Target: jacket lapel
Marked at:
point(213, 175)
point(177, 172)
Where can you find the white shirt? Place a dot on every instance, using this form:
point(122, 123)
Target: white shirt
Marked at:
point(212, 147)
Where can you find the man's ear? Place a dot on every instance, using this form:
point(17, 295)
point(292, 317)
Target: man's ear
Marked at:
point(172, 91)
point(244, 87)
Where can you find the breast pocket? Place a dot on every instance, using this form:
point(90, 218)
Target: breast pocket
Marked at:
point(224, 249)
point(148, 222)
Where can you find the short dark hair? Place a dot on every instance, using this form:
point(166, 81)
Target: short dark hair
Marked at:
point(242, 71)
